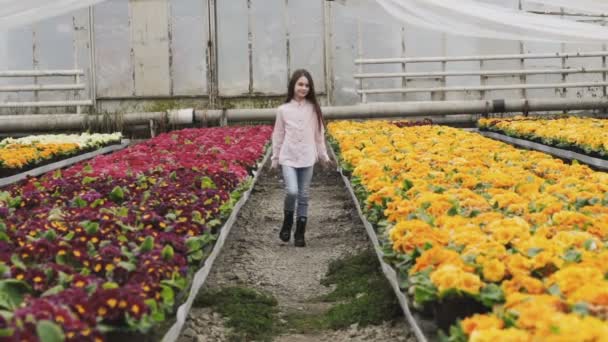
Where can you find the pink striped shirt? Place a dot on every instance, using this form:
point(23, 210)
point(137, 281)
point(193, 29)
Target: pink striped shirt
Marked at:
point(296, 140)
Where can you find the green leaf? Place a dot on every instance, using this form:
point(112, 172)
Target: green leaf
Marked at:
point(109, 285)
point(16, 261)
point(167, 252)
point(424, 294)
point(69, 236)
point(572, 255)
point(88, 180)
point(555, 290)
point(129, 266)
point(167, 295)
point(53, 291)
point(49, 332)
point(50, 235)
point(491, 294)
point(6, 332)
point(173, 176)
point(87, 168)
point(590, 245)
point(12, 292)
point(532, 252)
point(147, 245)
point(207, 183)
point(90, 227)
point(581, 308)
point(117, 195)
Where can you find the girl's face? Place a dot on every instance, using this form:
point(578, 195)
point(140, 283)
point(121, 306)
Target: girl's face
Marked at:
point(301, 88)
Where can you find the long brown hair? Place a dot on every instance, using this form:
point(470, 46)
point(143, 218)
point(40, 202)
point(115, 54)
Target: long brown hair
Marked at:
point(311, 96)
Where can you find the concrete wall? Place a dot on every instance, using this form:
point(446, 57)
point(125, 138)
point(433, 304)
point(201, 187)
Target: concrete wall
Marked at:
point(139, 54)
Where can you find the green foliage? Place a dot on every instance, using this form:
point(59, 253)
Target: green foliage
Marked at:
point(250, 313)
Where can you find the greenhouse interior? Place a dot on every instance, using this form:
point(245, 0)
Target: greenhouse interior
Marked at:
point(290, 170)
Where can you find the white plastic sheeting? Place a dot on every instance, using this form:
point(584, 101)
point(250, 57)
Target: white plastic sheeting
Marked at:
point(587, 6)
point(15, 13)
point(478, 19)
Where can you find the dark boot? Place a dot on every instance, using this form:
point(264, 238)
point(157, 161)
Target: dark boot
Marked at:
point(298, 237)
point(285, 233)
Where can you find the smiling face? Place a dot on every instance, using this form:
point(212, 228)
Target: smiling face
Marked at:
point(301, 88)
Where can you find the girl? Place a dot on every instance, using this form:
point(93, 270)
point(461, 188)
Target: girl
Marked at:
point(297, 143)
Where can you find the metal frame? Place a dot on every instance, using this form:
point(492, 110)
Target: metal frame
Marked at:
point(75, 75)
point(483, 74)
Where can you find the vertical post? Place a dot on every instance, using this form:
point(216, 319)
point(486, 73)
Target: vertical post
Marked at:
point(360, 56)
point(482, 81)
point(403, 65)
point(75, 52)
point(35, 64)
point(92, 59)
point(250, 44)
point(287, 40)
point(444, 51)
point(604, 66)
point(170, 46)
point(212, 69)
point(563, 49)
point(327, 51)
point(522, 62)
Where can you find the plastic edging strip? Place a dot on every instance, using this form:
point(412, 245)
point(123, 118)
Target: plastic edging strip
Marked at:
point(201, 275)
point(554, 151)
point(62, 163)
point(388, 271)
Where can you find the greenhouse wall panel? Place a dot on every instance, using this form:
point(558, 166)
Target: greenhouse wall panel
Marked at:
point(233, 50)
point(150, 39)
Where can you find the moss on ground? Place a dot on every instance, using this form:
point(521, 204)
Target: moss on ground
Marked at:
point(361, 295)
point(251, 314)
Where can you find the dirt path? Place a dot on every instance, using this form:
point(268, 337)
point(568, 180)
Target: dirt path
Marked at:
point(255, 258)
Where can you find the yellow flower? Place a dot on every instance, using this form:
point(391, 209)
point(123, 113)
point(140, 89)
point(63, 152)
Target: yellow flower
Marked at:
point(493, 270)
point(500, 335)
point(523, 283)
point(435, 257)
point(448, 277)
point(480, 322)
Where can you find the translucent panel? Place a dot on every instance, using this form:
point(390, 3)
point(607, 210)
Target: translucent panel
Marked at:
point(54, 40)
point(150, 40)
point(344, 51)
point(305, 25)
point(269, 46)
point(16, 54)
point(113, 49)
point(233, 64)
point(190, 33)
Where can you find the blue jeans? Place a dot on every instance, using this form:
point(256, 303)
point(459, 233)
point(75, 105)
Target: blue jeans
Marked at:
point(297, 185)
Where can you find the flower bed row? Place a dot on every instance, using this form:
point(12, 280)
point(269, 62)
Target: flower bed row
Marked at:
point(19, 155)
point(475, 225)
point(109, 245)
point(579, 134)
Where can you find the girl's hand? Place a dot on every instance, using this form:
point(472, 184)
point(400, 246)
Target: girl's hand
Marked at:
point(328, 165)
point(274, 165)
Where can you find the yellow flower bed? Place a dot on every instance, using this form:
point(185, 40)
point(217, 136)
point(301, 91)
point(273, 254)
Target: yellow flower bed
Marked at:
point(16, 156)
point(587, 134)
point(469, 214)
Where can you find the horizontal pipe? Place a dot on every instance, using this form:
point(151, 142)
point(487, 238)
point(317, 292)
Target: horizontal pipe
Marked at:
point(46, 104)
point(483, 88)
point(478, 73)
point(43, 87)
point(415, 109)
point(40, 73)
point(58, 122)
point(479, 58)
